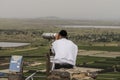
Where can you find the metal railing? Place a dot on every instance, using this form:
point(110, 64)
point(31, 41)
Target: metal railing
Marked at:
point(31, 76)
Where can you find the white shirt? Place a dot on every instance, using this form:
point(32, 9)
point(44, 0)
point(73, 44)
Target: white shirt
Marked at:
point(65, 51)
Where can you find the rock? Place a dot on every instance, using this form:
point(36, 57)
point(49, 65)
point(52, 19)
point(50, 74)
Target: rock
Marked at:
point(71, 74)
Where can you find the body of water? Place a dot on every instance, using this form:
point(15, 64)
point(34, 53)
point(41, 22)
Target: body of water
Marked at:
point(79, 26)
point(12, 44)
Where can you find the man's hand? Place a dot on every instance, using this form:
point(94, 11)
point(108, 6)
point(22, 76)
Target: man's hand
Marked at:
point(56, 36)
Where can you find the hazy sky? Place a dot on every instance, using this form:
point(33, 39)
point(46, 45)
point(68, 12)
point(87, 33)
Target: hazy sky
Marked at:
point(79, 9)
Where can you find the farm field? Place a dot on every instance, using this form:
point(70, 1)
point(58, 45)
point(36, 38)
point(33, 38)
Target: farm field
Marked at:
point(98, 47)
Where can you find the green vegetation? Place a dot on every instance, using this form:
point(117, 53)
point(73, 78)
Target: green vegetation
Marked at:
point(99, 62)
point(109, 76)
point(88, 59)
point(111, 66)
point(25, 52)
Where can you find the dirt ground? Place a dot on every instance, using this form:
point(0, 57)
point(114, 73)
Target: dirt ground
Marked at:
point(99, 53)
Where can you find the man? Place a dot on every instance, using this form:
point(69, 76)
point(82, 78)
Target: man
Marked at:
point(65, 51)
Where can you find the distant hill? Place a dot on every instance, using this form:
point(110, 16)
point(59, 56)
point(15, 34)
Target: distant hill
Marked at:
point(38, 23)
point(50, 18)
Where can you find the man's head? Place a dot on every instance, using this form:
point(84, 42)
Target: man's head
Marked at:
point(63, 34)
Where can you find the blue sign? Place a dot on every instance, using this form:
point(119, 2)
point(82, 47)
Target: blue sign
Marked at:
point(2, 74)
point(15, 64)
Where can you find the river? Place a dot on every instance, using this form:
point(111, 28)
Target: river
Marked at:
point(79, 26)
point(12, 44)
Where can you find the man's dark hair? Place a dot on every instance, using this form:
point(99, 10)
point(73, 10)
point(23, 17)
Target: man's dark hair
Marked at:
point(63, 33)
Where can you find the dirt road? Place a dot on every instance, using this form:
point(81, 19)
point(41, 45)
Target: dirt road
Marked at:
point(99, 53)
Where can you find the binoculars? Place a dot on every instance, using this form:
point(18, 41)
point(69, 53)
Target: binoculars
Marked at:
point(49, 35)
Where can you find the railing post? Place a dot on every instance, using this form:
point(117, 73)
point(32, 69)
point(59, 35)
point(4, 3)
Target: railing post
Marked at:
point(47, 63)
